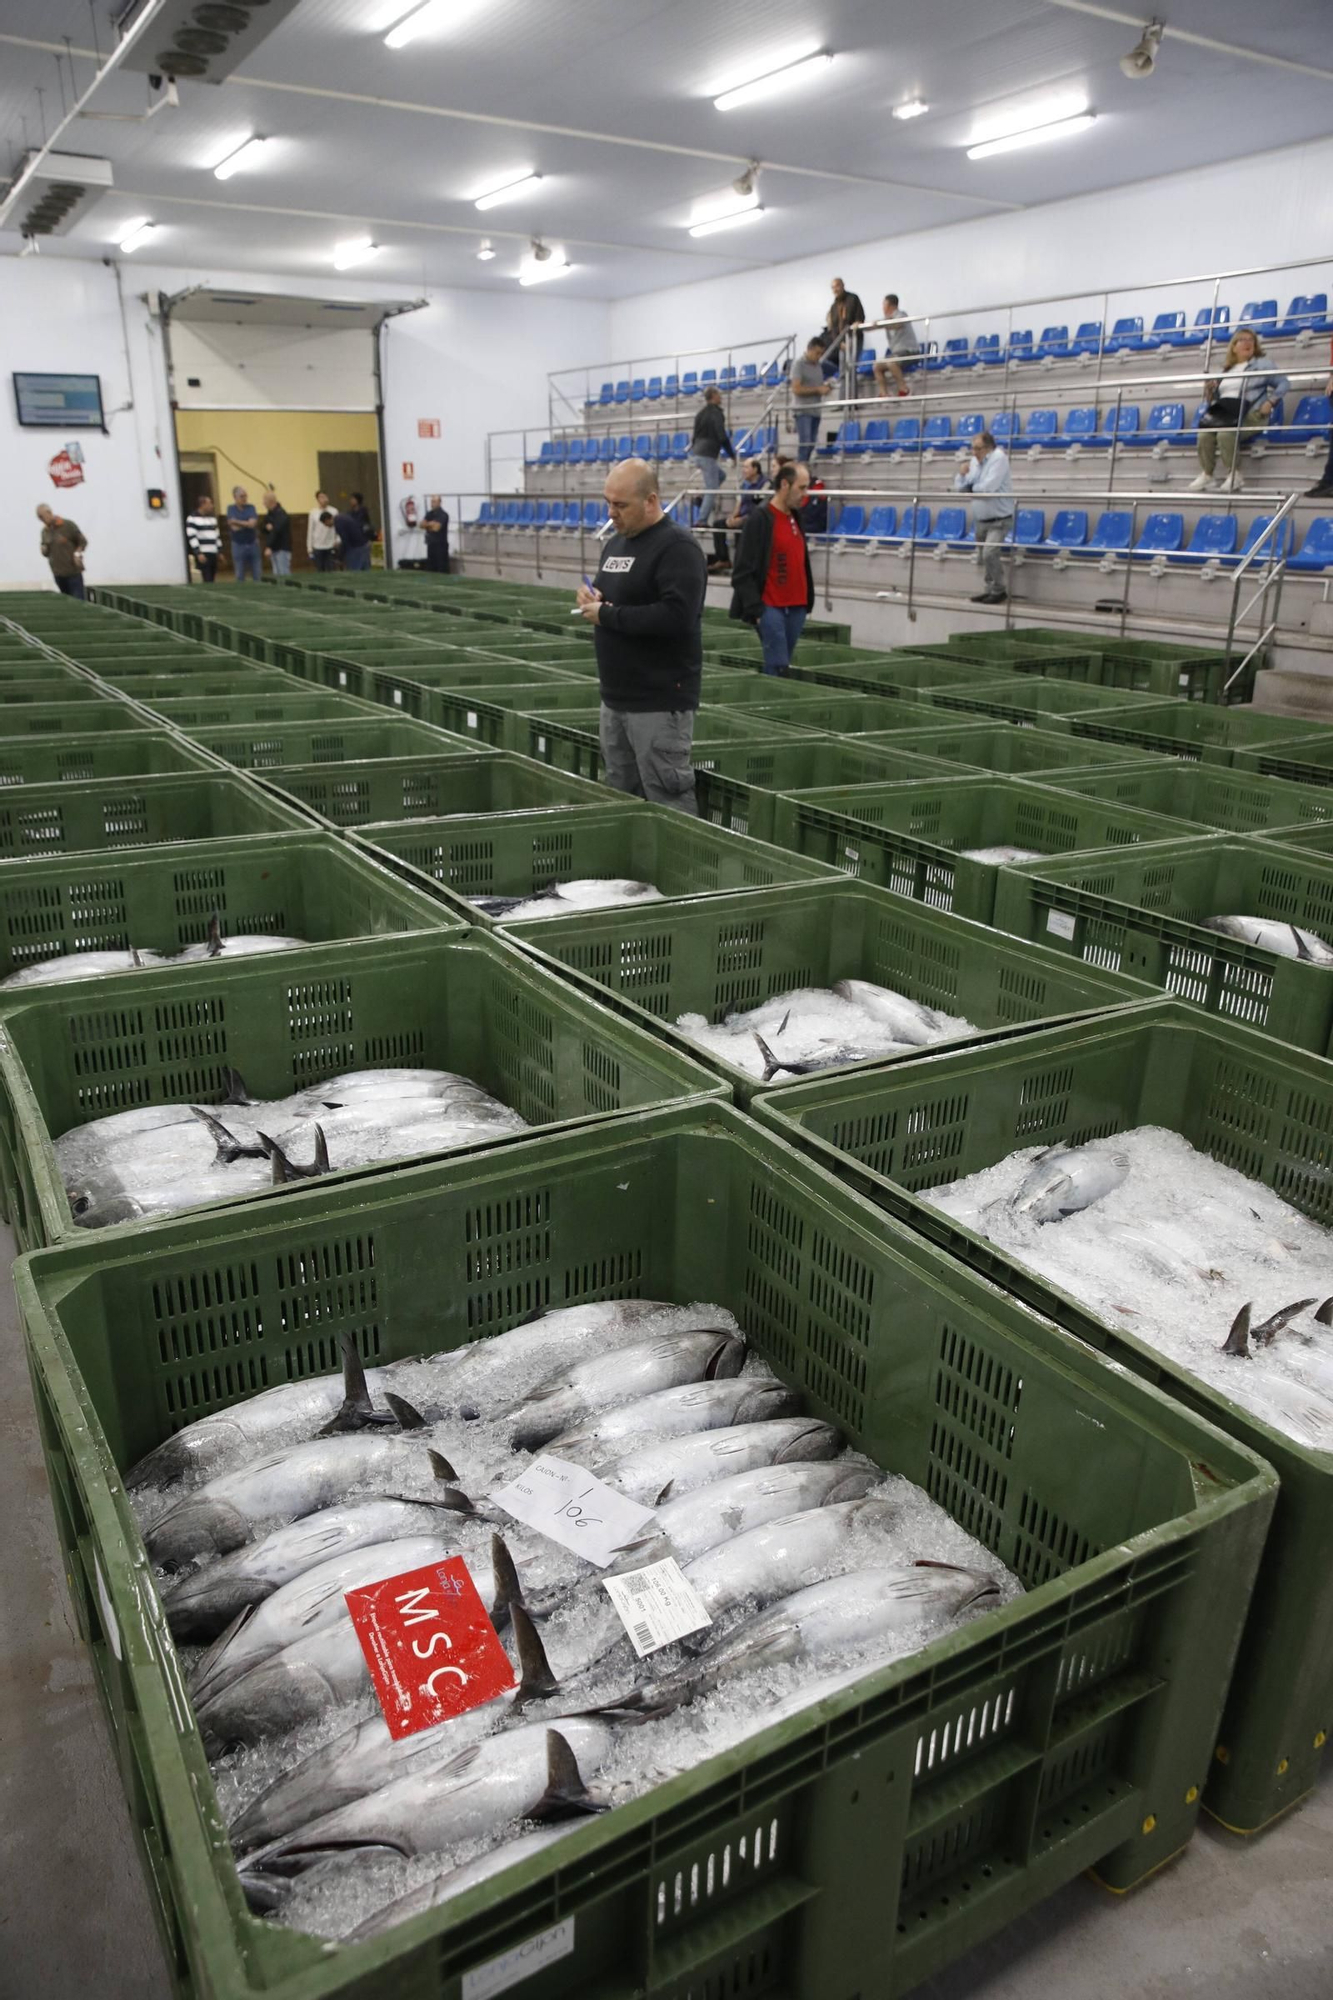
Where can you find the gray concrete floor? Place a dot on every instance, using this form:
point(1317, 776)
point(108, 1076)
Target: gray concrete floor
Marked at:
point(1231, 1919)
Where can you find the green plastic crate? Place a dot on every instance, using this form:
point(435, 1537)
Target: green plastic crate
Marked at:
point(1221, 796)
point(731, 954)
point(889, 1828)
point(570, 740)
point(906, 837)
point(102, 813)
point(739, 787)
point(405, 788)
point(1135, 911)
point(68, 718)
point(416, 691)
point(1029, 700)
point(1146, 667)
point(985, 743)
point(1242, 1100)
point(1197, 730)
point(17, 696)
point(441, 999)
point(497, 715)
point(845, 714)
point(189, 712)
point(20, 667)
point(909, 672)
point(333, 742)
point(501, 854)
point(1302, 761)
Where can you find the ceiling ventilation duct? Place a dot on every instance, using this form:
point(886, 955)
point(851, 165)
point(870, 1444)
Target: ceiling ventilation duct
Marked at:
point(61, 187)
point(204, 40)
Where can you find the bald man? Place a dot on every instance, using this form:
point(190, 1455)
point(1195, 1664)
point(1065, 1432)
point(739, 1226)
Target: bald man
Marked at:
point(646, 606)
point(63, 544)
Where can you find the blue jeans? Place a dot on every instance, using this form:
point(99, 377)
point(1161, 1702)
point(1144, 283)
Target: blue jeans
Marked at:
point(710, 471)
point(71, 586)
point(807, 430)
point(357, 558)
point(246, 561)
point(282, 561)
point(779, 629)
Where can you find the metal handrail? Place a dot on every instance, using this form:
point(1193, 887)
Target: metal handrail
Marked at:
point(778, 355)
point(1275, 570)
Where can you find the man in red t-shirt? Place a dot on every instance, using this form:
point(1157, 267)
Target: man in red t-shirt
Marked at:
point(1323, 489)
point(772, 587)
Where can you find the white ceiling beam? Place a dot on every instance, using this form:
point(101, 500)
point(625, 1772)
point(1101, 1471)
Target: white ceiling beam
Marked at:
point(1139, 19)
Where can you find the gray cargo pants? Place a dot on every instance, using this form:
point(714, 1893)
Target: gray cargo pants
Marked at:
point(648, 755)
point(990, 539)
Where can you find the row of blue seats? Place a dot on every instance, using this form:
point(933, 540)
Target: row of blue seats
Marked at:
point(656, 388)
point(540, 514)
point(1216, 537)
point(659, 445)
point(1165, 423)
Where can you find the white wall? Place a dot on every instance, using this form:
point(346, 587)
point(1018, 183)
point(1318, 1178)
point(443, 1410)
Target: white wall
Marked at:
point(1267, 210)
point(242, 367)
point(65, 317)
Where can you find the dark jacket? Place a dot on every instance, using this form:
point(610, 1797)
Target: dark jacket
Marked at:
point(749, 570)
point(278, 529)
point(350, 531)
point(710, 438)
point(648, 635)
point(362, 514)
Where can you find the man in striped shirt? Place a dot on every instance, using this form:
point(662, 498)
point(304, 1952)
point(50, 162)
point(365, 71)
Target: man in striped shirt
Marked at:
point(204, 537)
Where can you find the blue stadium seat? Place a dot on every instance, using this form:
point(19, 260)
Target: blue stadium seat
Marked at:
point(1080, 425)
point(1215, 535)
point(1021, 346)
point(608, 394)
point(1029, 528)
point(1261, 314)
point(1308, 312)
point(907, 434)
point(850, 520)
point(1042, 427)
point(1006, 427)
point(606, 451)
point(573, 513)
point(1162, 534)
point(624, 445)
point(485, 514)
point(622, 392)
point(546, 456)
point(708, 378)
point(986, 349)
point(671, 386)
point(1159, 334)
point(882, 522)
point(773, 375)
point(1311, 419)
point(1207, 317)
point(1069, 529)
point(849, 437)
point(574, 452)
point(748, 378)
point(510, 515)
point(768, 438)
point(661, 446)
point(726, 379)
point(643, 445)
point(1125, 333)
point(638, 389)
point(1112, 534)
point(543, 513)
point(680, 446)
point(689, 383)
point(1088, 338)
point(1260, 536)
point(913, 525)
point(594, 513)
point(654, 388)
point(1316, 551)
point(935, 435)
point(560, 451)
point(1166, 424)
point(954, 354)
point(875, 436)
point(951, 526)
point(1054, 344)
point(865, 362)
point(969, 427)
point(527, 514)
point(1120, 424)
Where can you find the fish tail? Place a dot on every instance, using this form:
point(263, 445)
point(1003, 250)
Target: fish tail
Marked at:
point(1325, 1313)
point(229, 1147)
point(536, 1679)
point(771, 1063)
point(215, 936)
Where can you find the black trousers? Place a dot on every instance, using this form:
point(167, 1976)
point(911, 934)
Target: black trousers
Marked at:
point(71, 586)
point(437, 558)
point(325, 558)
point(208, 569)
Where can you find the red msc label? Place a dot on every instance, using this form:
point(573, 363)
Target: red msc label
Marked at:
point(432, 1651)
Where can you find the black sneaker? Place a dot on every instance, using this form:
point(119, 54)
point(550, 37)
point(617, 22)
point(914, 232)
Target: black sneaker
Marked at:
point(990, 597)
point(1320, 492)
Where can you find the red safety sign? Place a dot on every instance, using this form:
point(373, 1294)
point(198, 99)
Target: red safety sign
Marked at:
point(409, 469)
point(428, 427)
point(64, 470)
point(431, 1649)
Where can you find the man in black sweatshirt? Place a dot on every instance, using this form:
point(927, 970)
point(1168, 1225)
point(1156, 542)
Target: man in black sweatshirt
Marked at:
point(708, 447)
point(646, 604)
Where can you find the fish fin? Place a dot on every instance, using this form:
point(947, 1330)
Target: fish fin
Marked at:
point(727, 1359)
point(1238, 1340)
point(771, 1063)
point(665, 1494)
point(215, 936)
point(1325, 1313)
point(565, 1794)
point(236, 1090)
point(321, 1162)
point(295, 1857)
point(986, 1586)
point(229, 1147)
point(782, 1024)
point(263, 1897)
point(408, 1415)
point(536, 1679)
point(441, 1467)
point(206, 1667)
point(531, 1318)
point(282, 1168)
point(355, 1412)
point(508, 1589)
point(1302, 948)
point(135, 959)
point(1263, 1336)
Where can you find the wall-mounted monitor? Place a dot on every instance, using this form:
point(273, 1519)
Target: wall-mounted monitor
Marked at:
point(59, 402)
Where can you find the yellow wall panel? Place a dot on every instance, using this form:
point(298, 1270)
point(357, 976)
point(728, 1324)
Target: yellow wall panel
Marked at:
point(278, 448)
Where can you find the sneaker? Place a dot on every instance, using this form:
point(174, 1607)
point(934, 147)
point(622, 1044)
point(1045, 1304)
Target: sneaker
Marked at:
point(1320, 492)
point(904, 392)
point(1204, 483)
point(990, 597)
point(1231, 484)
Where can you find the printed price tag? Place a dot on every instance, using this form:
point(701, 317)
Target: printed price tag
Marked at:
point(574, 1509)
point(656, 1605)
point(432, 1651)
point(1060, 923)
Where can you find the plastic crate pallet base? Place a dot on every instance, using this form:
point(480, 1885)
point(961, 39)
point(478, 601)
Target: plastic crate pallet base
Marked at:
point(854, 1849)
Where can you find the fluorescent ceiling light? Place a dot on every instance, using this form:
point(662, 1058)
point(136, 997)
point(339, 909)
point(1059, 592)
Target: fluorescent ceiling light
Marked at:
point(508, 190)
point(245, 155)
point(1025, 114)
point(716, 207)
point(772, 80)
point(136, 236)
point(412, 24)
point(1062, 128)
point(355, 251)
point(727, 221)
point(486, 252)
point(913, 108)
point(536, 270)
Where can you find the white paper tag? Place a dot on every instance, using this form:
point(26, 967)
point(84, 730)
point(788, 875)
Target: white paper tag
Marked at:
point(342, 678)
point(398, 697)
point(472, 718)
point(852, 854)
point(656, 1605)
point(581, 1513)
point(109, 1621)
point(1060, 923)
point(541, 746)
point(497, 1975)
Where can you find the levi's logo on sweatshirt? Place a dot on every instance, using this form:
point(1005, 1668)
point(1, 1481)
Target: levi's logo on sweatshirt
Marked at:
point(617, 565)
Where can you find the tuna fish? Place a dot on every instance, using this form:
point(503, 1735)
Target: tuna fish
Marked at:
point(1063, 1180)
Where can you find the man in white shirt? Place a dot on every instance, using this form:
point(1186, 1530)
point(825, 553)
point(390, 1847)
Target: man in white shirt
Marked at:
point(903, 349)
point(986, 478)
point(321, 537)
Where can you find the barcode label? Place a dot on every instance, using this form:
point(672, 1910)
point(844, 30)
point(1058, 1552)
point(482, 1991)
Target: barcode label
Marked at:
point(656, 1605)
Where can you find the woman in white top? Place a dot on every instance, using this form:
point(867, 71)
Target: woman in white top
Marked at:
point(1240, 401)
point(321, 537)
